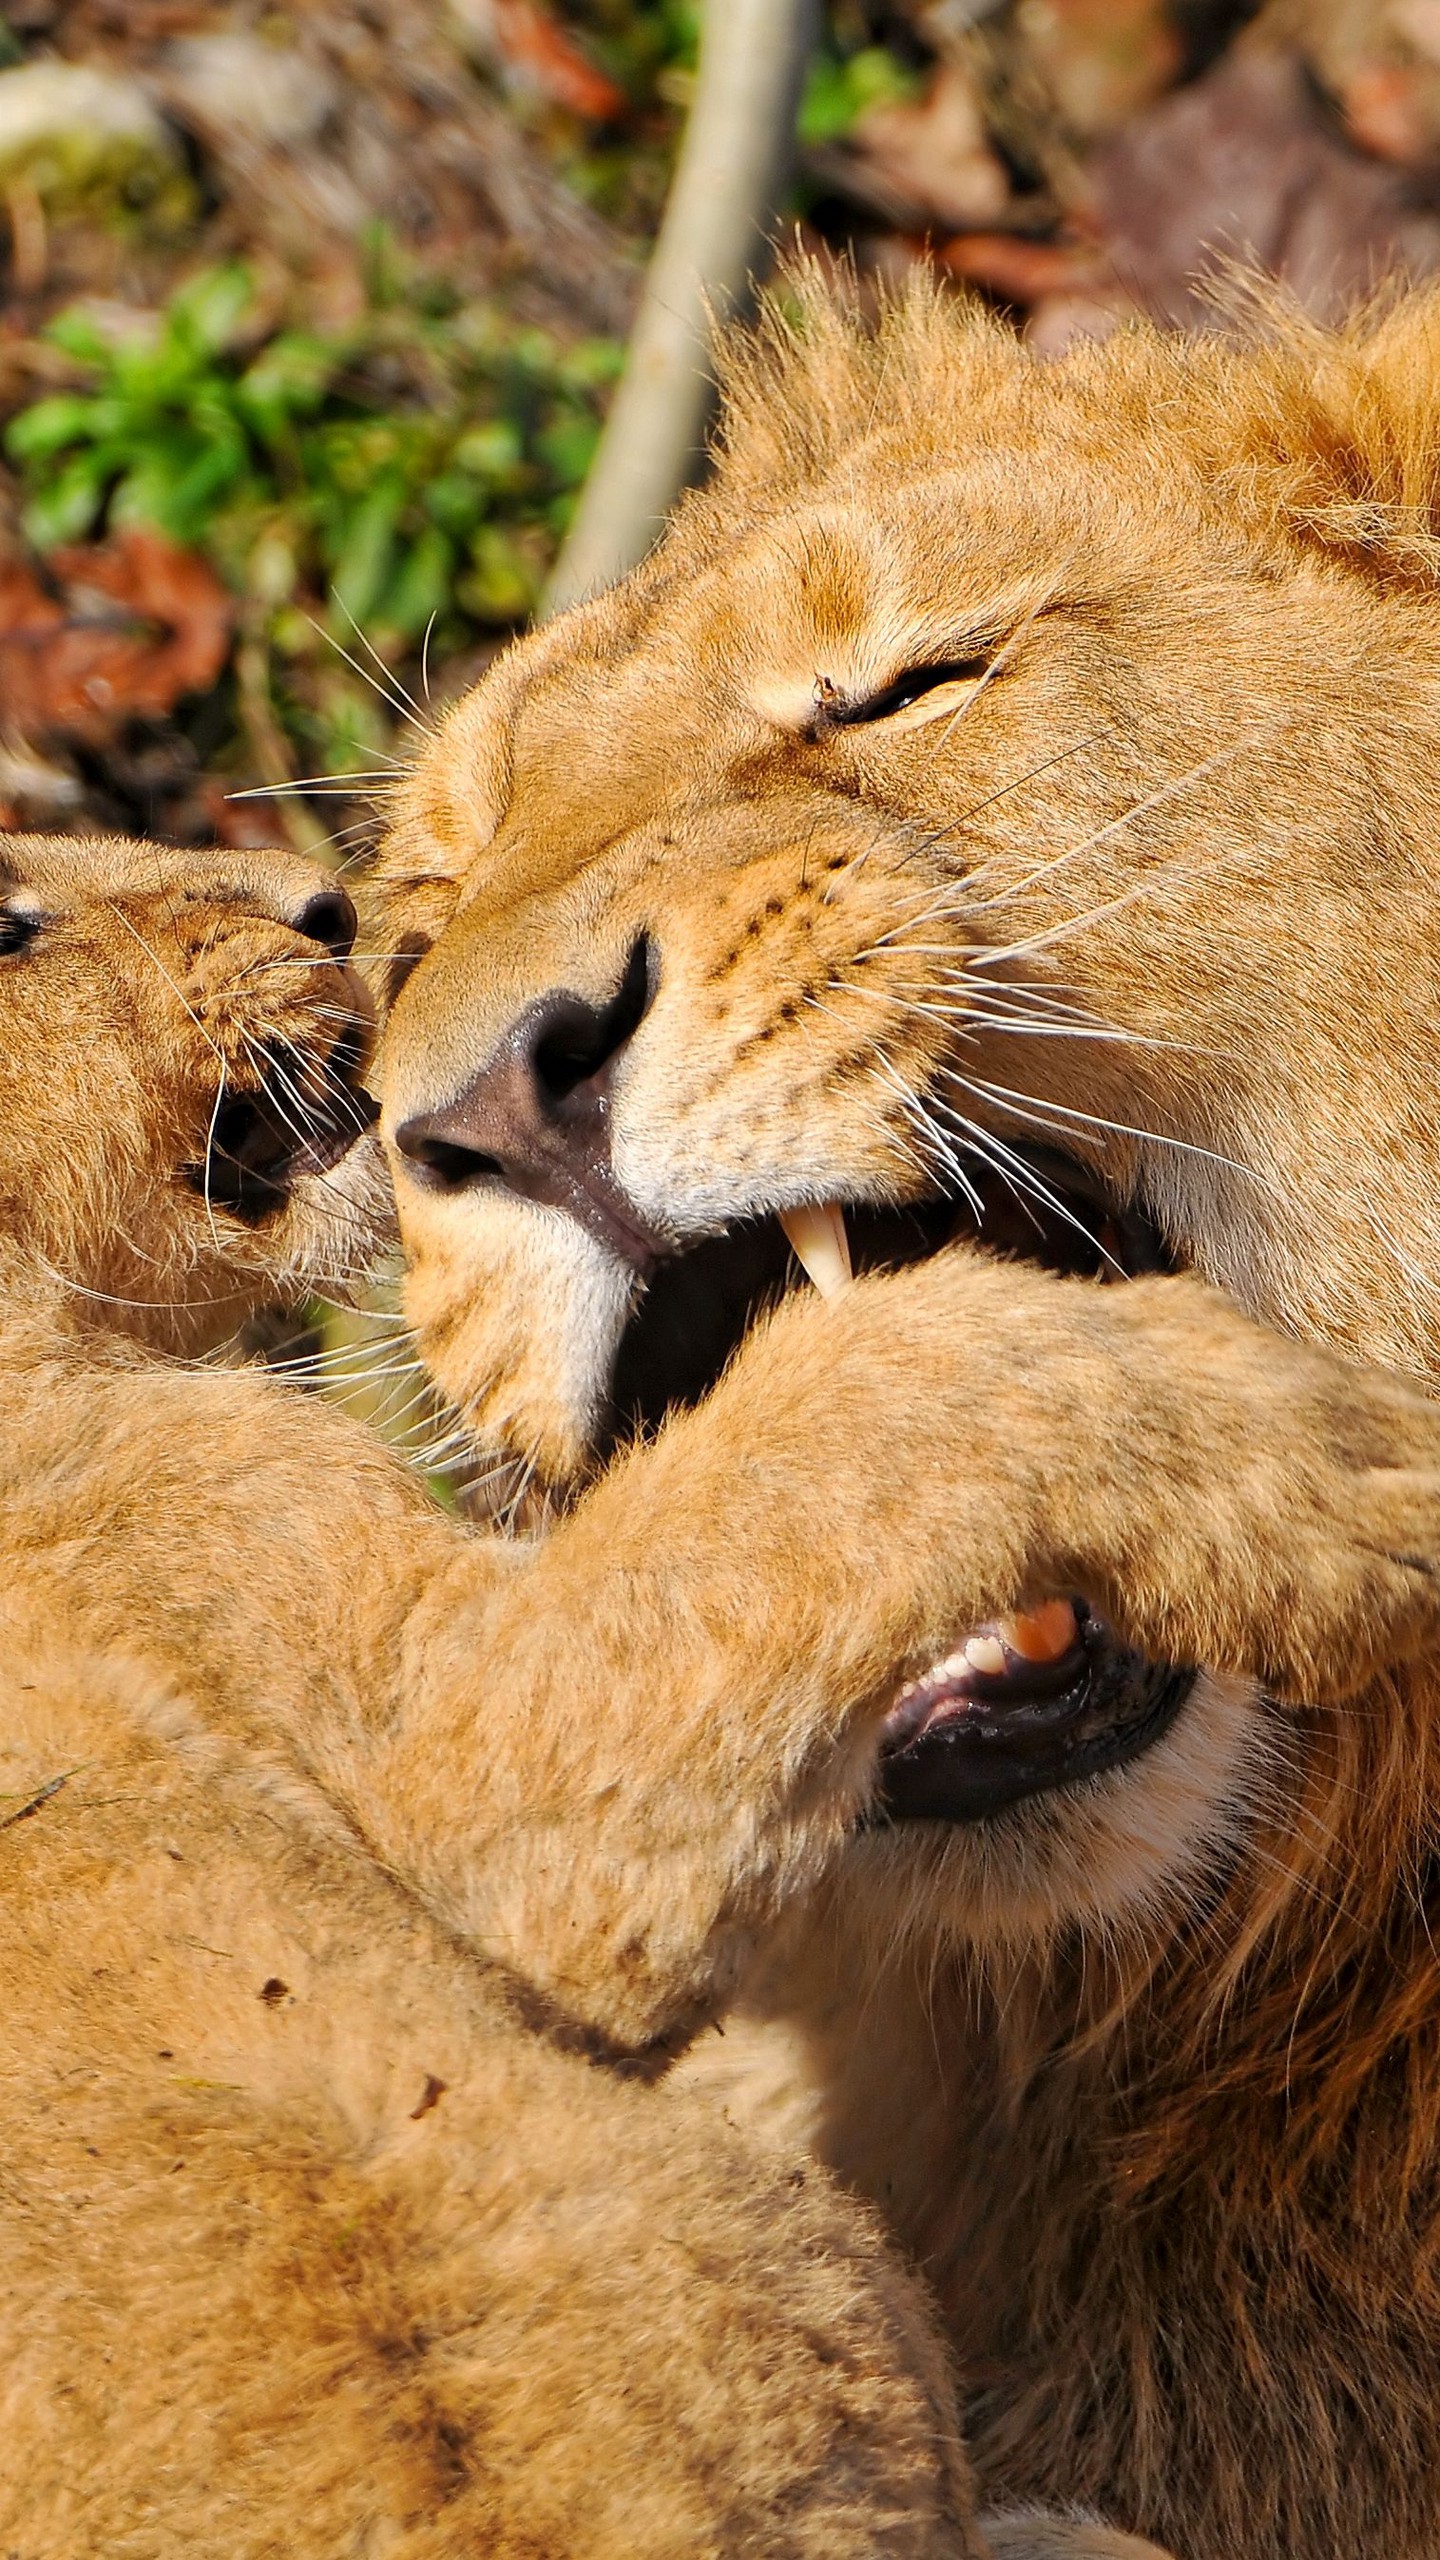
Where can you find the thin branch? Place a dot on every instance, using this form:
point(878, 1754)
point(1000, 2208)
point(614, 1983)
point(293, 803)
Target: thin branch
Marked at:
point(721, 211)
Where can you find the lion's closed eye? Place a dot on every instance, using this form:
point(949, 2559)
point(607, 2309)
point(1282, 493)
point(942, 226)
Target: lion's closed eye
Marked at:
point(920, 694)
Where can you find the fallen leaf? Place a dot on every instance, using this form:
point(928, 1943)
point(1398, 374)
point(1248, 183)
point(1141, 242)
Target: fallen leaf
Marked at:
point(1100, 60)
point(1243, 166)
point(1022, 271)
point(532, 50)
point(105, 632)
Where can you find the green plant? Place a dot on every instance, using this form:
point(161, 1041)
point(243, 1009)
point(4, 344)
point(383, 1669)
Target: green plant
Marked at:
point(414, 471)
point(841, 86)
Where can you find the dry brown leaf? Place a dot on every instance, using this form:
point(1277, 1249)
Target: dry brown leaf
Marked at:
point(109, 632)
point(1243, 165)
point(536, 50)
point(932, 156)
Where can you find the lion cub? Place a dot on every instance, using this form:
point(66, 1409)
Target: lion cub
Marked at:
point(310, 2242)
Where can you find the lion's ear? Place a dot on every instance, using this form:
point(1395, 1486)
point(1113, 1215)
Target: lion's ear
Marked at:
point(1340, 434)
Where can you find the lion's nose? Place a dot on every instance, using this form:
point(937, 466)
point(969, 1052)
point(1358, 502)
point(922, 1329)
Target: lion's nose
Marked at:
point(328, 915)
point(536, 1118)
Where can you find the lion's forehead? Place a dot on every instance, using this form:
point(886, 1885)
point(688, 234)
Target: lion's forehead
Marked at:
point(832, 588)
point(835, 591)
point(692, 685)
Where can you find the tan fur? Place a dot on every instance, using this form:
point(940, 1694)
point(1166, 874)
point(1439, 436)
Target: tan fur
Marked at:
point(1144, 2073)
point(311, 2244)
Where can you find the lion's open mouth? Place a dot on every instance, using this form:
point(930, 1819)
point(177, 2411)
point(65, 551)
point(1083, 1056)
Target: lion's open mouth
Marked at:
point(301, 1118)
point(1020, 1708)
point(1015, 1710)
point(698, 1305)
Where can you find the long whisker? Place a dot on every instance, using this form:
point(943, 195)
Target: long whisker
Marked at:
point(211, 1043)
point(951, 899)
point(387, 672)
point(934, 837)
point(339, 786)
point(390, 692)
point(1025, 1107)
point(173, 983)
point(1163, 876)
point(209, 1159)
point(1141, 808)
point(970, 1013)
point(1002, 656)
point(106, 1297)
point(281, 1087)
point(888, 1074)
point(1024, 1177)
point(307, 960)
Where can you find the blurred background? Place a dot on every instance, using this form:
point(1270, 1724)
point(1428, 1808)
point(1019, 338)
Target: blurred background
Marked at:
point(312, 312)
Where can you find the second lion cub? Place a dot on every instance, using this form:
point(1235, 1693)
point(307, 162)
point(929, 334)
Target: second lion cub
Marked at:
point(310, 2242)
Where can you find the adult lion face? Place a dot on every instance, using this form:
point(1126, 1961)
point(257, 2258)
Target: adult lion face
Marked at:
point(991, 815)
point(182, 1038)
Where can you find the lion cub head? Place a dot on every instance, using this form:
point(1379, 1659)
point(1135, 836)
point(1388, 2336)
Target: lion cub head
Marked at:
point(1001, 809)
point(182, 1039)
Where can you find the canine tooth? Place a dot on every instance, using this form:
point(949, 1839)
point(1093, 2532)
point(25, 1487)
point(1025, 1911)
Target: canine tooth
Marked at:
point(985, 1653)
point(816, 1236)
point(1040, 1635)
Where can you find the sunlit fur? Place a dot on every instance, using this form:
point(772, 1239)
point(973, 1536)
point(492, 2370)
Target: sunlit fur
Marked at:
point(315, 2239)
point(1158, 881)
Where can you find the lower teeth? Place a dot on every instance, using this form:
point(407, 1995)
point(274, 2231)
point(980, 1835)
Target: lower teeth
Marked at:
point(986, 1653)
point(1032, 1637)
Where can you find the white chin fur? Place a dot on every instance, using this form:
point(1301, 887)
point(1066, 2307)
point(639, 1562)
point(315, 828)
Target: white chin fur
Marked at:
point(337, 1222)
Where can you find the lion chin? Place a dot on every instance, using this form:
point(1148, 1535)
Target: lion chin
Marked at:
point(997, 827)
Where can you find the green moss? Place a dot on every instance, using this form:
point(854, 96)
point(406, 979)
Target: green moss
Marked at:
point(841, 86)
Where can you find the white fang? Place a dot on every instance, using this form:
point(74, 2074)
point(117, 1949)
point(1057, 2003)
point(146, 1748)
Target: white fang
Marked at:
point(817, 1238)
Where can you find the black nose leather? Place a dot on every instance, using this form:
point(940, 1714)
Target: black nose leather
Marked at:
point(536, 1119)
point(328, 916)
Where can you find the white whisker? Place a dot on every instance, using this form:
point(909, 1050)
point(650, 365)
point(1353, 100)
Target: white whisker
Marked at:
point(1026, 1107)
point(391, 691)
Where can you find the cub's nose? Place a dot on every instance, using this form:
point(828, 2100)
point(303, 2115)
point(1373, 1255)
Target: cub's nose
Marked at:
point(536, 1118)
point(327, 915)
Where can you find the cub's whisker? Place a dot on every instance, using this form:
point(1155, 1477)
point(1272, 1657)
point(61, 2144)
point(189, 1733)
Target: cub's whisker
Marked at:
point(387, 672)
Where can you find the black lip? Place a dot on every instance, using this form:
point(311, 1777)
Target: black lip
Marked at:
point(1017, 1737)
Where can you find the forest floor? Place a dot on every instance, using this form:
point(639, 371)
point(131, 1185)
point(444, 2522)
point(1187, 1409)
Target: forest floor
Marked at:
point(311, 312)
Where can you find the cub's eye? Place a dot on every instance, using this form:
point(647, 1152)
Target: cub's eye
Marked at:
point(18, 928)
point(914, 692)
